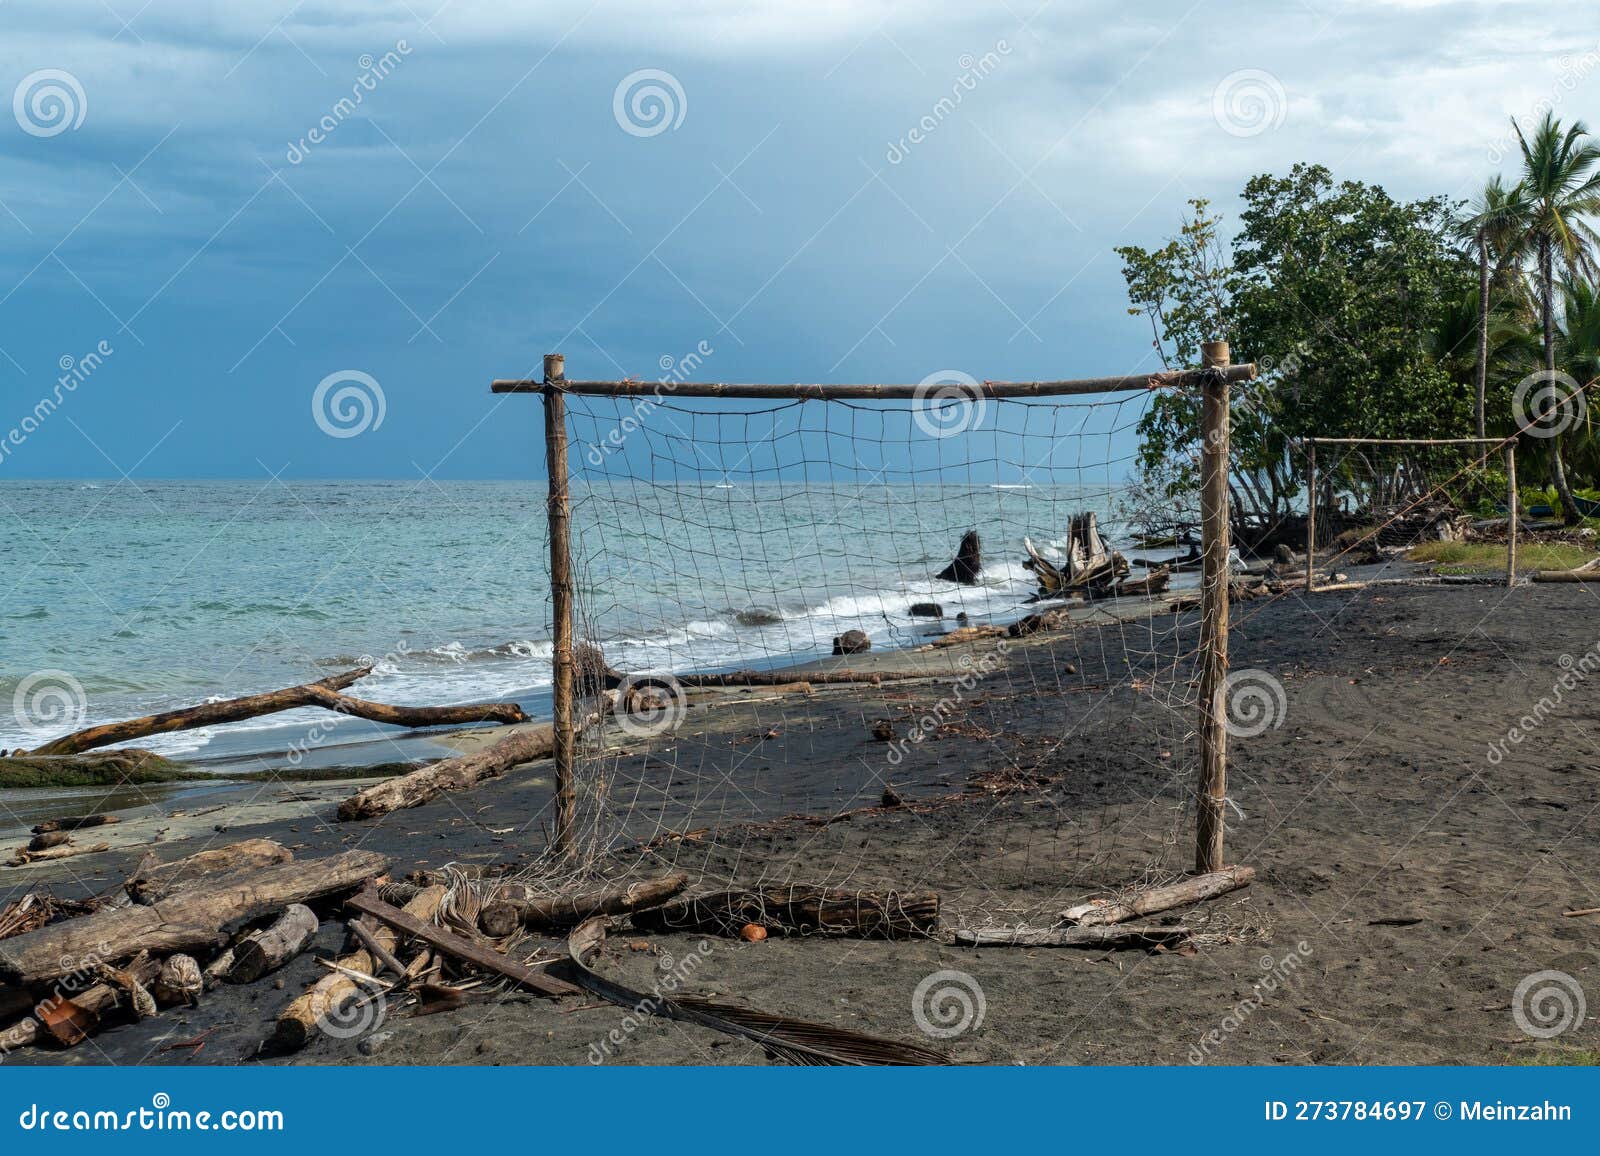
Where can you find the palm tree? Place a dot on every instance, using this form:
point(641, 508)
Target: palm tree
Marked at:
point(1560, 189)
point(1492, 227)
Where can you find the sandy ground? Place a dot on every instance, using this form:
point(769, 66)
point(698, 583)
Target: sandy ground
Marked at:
point(1407, 882)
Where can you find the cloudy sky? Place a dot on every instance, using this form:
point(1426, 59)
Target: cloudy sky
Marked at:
point(239, 200)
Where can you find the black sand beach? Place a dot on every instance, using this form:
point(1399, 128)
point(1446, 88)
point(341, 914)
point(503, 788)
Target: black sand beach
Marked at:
point(1406, 882)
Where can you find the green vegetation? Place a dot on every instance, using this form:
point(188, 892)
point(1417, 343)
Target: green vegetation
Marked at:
point(1372, 317)
point(1558, 1057)
point(1487, 557)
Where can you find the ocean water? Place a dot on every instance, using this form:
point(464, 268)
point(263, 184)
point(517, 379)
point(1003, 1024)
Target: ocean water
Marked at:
point(157, 595)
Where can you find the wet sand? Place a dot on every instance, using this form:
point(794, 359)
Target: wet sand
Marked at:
point(1410, 882)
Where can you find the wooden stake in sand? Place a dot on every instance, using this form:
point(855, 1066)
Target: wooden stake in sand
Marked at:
point(1214, 590)
point(560, 515)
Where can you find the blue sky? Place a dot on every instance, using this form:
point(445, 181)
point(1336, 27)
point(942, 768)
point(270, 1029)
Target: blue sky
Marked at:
point(495, 195)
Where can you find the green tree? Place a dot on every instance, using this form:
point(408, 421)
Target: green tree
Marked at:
point(1562, 188)
point(1492, 227)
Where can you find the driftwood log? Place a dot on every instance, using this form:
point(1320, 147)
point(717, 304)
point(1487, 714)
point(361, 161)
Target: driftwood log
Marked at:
point(298, 1023)
point(1158, 899)
point(967, 564)
point(188, 920)
point(464, 771)
point(48, 839)
point(800, 909)
point(507, 912)
point(74, 823)
point(324, 693)
point(24, 856)
point(1115, 938)
point(94, 1002)
point(151, 882)
point(460, 948)
point(1588, 572)
point(266, 950)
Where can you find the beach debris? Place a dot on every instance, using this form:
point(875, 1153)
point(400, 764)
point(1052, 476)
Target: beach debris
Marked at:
point(264, 951)
point(1588, 572)
point(178, 981)
point(883, 730)
point(752, 933)
point(47, 840)
point(851, 642)
point(69, 1020)
point(459, 947)
point(1117, 937)
point(1089, 565)
point(465, 771)
point(784, 1038)
point(891, 797)
point(326, 1000)
point(1150, 901)
point(75, 823)
point(515, 905)
point(1154, 582)
point(1034, 623)
point(188, 919)
point(968, 562)
point(591, 673)
point(1577, 911)
point(34, 909)
point(23, 856)
point(151, 881)
point(131, 982)
point(370, 939)
point(926, 610)
point(966, 634)
point(793, 908)
point(324, 693)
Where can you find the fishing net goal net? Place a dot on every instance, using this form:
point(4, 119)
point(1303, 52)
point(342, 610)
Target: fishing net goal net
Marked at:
point(843, 638)
point(1385, 503)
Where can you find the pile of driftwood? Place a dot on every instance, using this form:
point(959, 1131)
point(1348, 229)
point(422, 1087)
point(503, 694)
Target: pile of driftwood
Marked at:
point(175, 931)
point(55, 839)
point(1109, 924)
